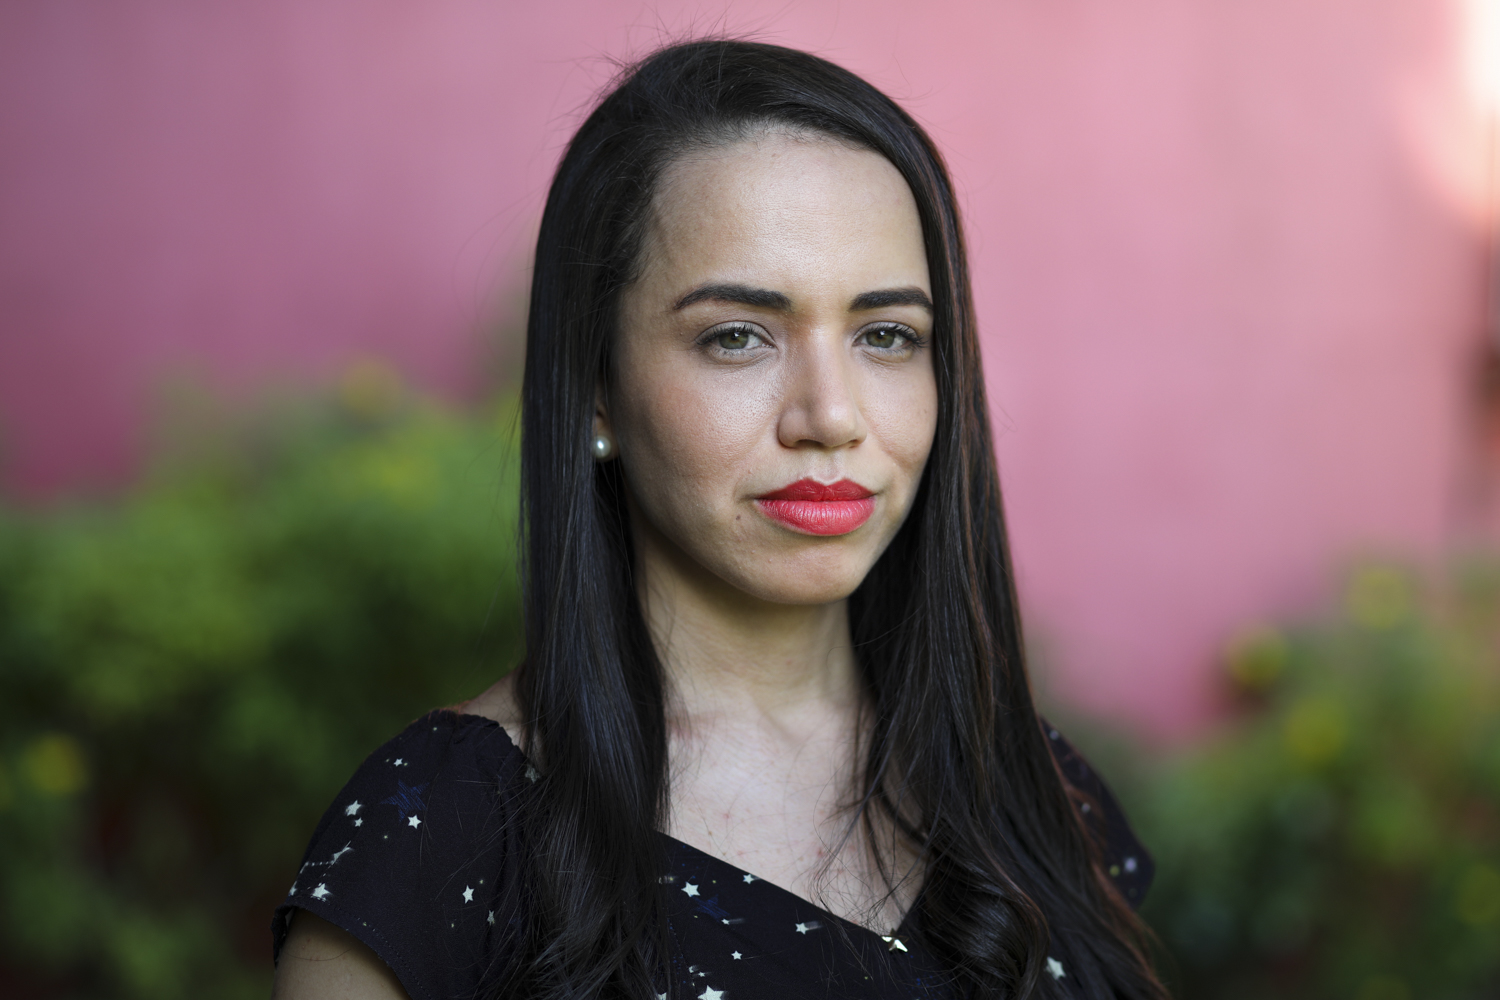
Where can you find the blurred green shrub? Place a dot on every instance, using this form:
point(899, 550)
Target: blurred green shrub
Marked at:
point(1342, 838)
point(188, 675)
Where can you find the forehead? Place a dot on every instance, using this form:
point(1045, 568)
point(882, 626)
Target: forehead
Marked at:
point(786, 209)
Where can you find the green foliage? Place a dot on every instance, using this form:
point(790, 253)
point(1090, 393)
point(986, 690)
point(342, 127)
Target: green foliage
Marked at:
point(1342, 838)
point(189, 674)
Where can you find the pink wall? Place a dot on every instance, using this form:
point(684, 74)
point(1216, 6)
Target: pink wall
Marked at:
point(1227, 256)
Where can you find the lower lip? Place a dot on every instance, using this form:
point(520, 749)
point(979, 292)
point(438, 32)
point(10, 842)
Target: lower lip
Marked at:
point(820, 517)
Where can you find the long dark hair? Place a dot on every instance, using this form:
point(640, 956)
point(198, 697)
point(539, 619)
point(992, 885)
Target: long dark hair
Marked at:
point(957, 759)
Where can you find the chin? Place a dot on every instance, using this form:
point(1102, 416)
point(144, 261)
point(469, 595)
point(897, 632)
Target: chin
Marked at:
point(804, 582)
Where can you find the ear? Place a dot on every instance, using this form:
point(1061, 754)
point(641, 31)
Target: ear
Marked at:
point(601, 413)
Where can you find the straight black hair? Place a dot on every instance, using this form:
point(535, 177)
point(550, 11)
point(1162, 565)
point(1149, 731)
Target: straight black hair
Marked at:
point(957, 759)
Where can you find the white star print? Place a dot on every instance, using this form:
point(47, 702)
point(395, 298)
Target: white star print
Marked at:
point(359, 822)
point(1055, 967)
point(321, 892)
point(531, 774)
point(468, 895)
point(293, 890)
point(749, 879)
point(413, 821)
point(709, 993)
point(399, 762)
point(736, 956)
point(353, 808)
point(340, 853)
point(802, 928)
point(690, 889)
point(492, 918)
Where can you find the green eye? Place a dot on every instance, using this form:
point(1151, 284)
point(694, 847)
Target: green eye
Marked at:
point(735, 339)
point(885, 338)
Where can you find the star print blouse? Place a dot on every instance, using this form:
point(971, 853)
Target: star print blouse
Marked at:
point(415, 858)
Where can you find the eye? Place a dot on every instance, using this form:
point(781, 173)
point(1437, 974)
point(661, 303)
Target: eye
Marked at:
point(890, 337)
point(735, 337)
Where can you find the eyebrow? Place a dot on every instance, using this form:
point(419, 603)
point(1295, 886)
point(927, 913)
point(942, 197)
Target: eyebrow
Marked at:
point(891, 297)
point(765, 298)
point(762, 298)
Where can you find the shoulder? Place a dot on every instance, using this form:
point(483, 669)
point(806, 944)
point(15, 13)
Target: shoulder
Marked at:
point(1126, 859)
point(417, 857)
point(498, 704)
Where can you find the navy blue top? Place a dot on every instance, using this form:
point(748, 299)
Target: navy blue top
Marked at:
point(416, 859)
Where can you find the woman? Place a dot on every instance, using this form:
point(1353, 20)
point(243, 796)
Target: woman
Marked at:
point(773, 734)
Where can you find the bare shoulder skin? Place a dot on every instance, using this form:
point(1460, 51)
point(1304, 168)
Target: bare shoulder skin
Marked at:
point(498, 704)
point(322, 962)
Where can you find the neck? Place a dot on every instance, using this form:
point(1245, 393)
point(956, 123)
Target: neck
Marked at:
point(727, 652)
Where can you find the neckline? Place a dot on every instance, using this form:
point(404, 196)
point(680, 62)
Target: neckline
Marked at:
point(900, 931)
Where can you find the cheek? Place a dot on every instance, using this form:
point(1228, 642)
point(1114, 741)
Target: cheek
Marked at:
point(903, 418)
point(686, 444)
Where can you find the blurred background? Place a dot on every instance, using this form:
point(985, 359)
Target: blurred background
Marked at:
point(262, 275)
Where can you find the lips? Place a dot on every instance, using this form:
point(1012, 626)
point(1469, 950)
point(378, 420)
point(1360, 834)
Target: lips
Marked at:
point(816, 508)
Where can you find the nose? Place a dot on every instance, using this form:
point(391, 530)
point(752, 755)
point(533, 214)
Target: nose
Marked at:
point(821, 403)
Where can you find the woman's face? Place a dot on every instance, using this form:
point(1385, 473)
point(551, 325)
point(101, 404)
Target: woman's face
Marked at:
point(773, 398)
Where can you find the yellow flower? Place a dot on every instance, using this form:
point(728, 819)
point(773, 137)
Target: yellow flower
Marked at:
point(54, 763)
point(1316, 730)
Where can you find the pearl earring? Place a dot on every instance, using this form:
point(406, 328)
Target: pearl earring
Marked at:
point(603, 447)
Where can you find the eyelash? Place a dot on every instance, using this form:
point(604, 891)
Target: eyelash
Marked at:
point(914, 339)
point(710, 339)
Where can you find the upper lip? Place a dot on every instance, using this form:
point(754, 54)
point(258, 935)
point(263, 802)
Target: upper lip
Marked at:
point(811, 489)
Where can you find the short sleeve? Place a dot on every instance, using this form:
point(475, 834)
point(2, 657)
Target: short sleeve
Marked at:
point(1129, 864)
point(417, 857)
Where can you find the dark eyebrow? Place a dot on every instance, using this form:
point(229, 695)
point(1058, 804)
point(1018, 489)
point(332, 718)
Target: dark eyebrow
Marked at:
point(761, 298)
point(891, 297)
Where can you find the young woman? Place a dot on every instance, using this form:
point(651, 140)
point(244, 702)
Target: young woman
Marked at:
point(773, 735)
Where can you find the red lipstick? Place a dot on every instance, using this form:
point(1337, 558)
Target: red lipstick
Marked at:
point(815, 508)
